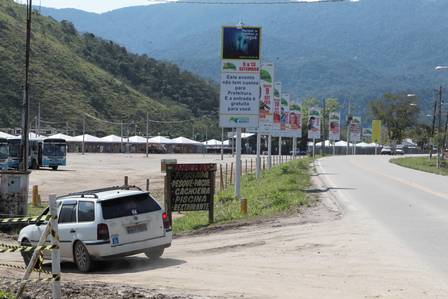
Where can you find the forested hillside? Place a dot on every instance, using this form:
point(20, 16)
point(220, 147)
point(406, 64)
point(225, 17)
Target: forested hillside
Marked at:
point(73, 74)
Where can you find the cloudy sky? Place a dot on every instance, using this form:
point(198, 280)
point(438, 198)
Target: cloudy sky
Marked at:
point(97, 6)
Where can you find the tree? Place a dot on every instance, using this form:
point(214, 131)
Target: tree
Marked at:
point(398, 113)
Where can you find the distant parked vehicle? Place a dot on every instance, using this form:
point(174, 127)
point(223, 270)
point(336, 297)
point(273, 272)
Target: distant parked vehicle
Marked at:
point(386, 150)
point(105, 224)
point(399, 150)
point(4, 154)
point(53, 153)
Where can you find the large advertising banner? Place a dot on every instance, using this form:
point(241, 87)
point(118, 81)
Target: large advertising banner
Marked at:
point(335, 126)
point(267, 98)
point(284, 116)
point(240, 77)
point(355, 129)
point(376, 131)
point(295, 118)
point(277, 109)
point(314, 123)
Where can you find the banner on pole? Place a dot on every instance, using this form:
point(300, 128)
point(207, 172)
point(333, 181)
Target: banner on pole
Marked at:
point(240, 77)
point(284, 115)
point(267, 98)
point(295, 118)
point(367, 133)
point(314, 123)
point(277, 109)
point(335, 126)
point(376, 131)
point(355, 129)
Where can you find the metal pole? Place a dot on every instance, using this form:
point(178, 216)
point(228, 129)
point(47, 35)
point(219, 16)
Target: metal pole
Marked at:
point(147, 134)
point(314, 148)
point(323, 129)
point(258, 161)
point(433, 128)
point(55, 253)
point(26, 93)
point(294, 147)
point(222, 144)
point(238, 164)
point(348, 127)
point(83, 134)
point(270, 151)
point(121, 135)
point(334, 147)
point(38, 119)
point(439, 129)
point(280, 149)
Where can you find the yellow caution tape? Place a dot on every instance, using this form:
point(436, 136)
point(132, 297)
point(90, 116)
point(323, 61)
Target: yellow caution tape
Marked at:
point(25, 219)
point(24, 268)
point(17, 248)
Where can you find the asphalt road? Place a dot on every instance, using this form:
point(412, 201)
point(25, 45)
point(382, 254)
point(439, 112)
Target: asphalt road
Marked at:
point(409, 204)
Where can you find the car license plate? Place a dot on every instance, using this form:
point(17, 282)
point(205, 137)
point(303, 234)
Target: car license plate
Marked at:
point(136, 228)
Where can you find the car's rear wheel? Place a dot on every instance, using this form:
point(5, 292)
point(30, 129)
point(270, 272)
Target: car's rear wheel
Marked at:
point(82, 257)
point(154, 254)
point(54, 167)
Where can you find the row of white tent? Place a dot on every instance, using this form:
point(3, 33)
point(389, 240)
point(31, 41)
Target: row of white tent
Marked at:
point(343, 143)
point(111, 139)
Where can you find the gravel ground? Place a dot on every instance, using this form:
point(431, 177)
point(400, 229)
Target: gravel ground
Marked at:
point(92, 290)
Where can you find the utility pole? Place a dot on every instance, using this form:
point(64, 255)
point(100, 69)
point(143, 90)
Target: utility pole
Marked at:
point(121, 135)
point(147, 134)
point(222, 143)
point(83, 134)
point(348, 127)
point(38, 119)
point(439, 130)
point(323, 128)
point(26, 94)
point(433, 127)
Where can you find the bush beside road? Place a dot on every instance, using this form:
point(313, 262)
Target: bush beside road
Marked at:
point(279, 190)
point(422, 164)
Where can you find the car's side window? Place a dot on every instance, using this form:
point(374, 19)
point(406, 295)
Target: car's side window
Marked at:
point(86, 211)
point(68, 213)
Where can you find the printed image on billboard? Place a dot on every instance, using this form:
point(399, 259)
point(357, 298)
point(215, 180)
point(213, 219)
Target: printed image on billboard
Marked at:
point(355, 129)
point(335, 126)
point(314, 123)
point(284, 112)
point(267, 98)
point(277, 104)
point(241, 43)
point(295, 118)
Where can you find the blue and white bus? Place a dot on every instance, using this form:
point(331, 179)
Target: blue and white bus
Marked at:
point(4, 154)
point(34, 151)
point(54, 153)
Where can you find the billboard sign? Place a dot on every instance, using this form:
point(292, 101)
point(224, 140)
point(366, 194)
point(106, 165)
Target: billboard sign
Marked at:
point(241, 43)
point(355, 129)
point(335, 126)
point(265, 121)
point(376, 131)
point(295, 118)
point(277, 109)
point(314, 123)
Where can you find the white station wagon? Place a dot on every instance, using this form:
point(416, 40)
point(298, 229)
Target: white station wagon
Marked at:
point(105, 223)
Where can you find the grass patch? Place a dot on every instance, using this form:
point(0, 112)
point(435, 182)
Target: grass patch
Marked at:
point(422, 164)
point(278, 190)
point(35, 211)
point(6, 295)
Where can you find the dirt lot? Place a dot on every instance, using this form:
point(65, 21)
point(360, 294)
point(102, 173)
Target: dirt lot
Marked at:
point(102, 170)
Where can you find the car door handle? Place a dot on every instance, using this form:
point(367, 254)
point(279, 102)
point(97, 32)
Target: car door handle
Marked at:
point(72, 231)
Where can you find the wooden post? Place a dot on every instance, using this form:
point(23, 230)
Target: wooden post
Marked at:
point(231, 173)
point(55, 253)
point(243, 206)
point(246, 166)
point(147, 185)
point(212, 191)
point(251, 165)
point(226, 181)
point(35, 199)
point(126, 180)
point(264, 164)
point(167, 196)
point(221, 179)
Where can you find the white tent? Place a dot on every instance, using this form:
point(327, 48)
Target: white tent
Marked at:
point(160, 140)
point(362, 144)
point(226, 142)
point(87, 138)
point(61, 136)
point(327, 143)
point(212, 142)
point(341, 143)
point(137, 139)
point(183, 140)
point(30, 136)
point(244, 135)
point(5, 135)
point(112, 139)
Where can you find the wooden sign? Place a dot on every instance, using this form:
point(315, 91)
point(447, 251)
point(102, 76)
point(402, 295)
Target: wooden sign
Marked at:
point(190, 187)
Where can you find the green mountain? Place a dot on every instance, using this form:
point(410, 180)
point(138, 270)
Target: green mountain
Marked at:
point(349, 50)
point(73, 74)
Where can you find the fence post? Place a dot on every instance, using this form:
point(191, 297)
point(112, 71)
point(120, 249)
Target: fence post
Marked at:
point(147, 185)
point(231, 173)
point(251, 165)
point(55, 253)
point(246, 166)
point(35, 199)
point(264, 164)
point(221, 179)
point(126, 180)
point(226, 181)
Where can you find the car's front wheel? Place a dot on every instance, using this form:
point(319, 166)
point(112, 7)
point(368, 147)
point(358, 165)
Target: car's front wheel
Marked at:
point(82, 257)
point(27, 255)
point(154, 254)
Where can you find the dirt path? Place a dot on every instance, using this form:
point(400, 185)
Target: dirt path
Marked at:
point(318, 254)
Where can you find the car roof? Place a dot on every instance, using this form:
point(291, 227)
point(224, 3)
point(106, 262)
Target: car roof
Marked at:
point(100, 195)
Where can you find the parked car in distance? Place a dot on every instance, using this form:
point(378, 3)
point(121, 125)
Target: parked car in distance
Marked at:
point(104, 224)
point(386, 150)
point(399, 150)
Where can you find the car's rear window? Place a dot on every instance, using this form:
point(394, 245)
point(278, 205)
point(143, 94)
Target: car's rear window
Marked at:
point(129, 206)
